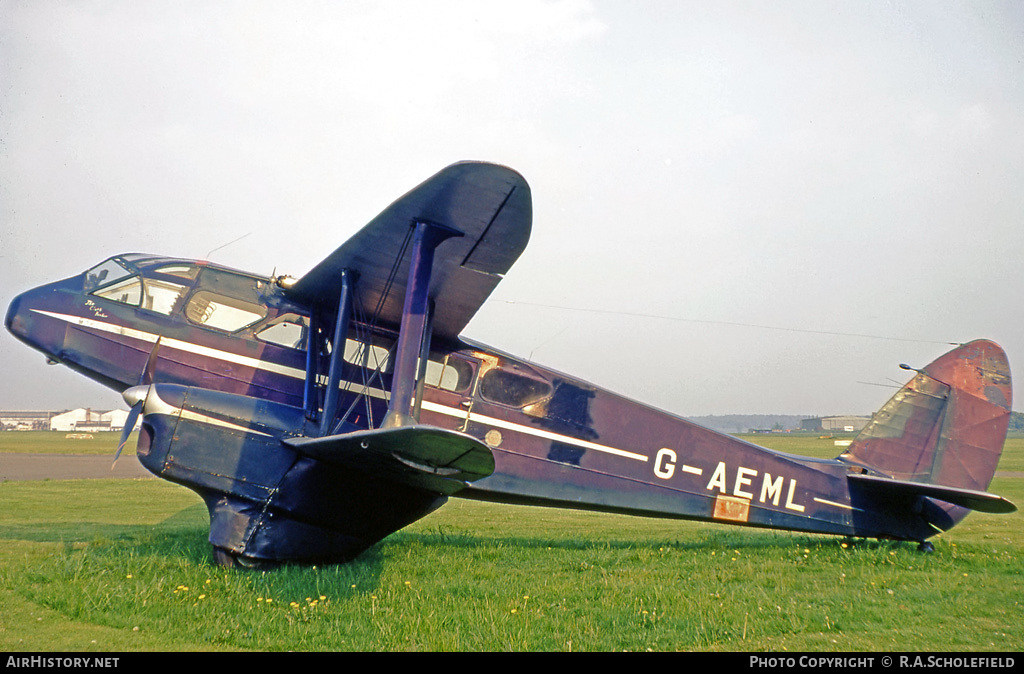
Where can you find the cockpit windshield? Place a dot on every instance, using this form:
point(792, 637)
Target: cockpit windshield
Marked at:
point(104, 273)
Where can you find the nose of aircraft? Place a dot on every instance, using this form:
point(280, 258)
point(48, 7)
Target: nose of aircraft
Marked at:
point(14, 322)
point(25, 321)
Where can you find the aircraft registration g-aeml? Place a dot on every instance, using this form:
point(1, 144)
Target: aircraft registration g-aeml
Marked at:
point(316, 416)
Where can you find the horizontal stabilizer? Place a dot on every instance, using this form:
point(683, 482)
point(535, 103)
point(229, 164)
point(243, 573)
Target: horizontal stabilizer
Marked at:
point(902, 489)
point(428, 457)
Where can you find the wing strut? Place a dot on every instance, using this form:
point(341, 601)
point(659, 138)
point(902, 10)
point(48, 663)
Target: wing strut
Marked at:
point(310, 395)
point(314, 345)
point(337, 353)
point(414, 334)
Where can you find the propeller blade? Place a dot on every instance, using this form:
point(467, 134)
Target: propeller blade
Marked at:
point(147, 372)
point(136, 397)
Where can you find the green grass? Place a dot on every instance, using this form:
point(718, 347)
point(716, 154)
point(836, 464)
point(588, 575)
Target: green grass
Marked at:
point(123, 565)
point(57, 442)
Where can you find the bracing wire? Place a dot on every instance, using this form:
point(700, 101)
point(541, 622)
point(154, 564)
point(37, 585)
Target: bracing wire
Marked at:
point(364, 334)
point(636, 314)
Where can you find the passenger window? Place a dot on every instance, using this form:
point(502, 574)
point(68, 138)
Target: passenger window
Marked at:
point(126, 292)
point(221, 312)
point(370, 356)
point(185, 271)
point(162, 296)
point(451, 374)
point(289, 332)
point(509, 388)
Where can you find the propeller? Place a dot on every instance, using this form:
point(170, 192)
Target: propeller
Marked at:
point(136, 399)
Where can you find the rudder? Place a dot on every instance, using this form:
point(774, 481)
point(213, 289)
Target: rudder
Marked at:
point(947, 426)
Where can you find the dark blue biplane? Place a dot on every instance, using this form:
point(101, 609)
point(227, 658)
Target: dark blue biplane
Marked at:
point(315, 417)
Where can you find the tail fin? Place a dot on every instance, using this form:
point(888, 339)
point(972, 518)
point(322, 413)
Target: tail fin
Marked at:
point(934, 446)
point(946, 427)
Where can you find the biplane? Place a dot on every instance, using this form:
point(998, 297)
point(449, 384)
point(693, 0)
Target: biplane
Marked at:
point(316, 416)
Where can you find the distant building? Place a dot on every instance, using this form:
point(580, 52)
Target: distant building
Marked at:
point(812, 424)
point(84, 420)
point(27, 420)
point(847, 424)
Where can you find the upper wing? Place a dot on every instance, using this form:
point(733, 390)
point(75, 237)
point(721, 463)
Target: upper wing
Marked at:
point(489, 204)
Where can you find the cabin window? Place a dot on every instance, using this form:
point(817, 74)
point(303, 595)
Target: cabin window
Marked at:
point(512, 389)
point(161, 296)
point(128, 291)
point(221, 312)
point(369, 356)
point(444, 372)
point(450, 374)
point(186, 271)
point(288, 331)
point(104, 274)
point(230, 284)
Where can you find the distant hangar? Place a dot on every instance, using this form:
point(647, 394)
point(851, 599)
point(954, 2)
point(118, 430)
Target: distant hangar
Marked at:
point(81, 420)
point(842, 424)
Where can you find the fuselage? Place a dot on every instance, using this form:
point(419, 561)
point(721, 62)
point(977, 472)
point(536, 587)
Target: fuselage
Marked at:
point(556, 440)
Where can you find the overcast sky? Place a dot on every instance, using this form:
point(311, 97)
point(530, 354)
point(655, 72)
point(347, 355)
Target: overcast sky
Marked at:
point(739, 207)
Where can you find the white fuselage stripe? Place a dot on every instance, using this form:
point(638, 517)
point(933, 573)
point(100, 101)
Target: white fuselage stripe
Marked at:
point(536, 432)
point(187, 347)
point(834, 504)
point(296, 373)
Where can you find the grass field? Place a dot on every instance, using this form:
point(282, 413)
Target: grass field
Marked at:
point(58, 442)
point(123, 565)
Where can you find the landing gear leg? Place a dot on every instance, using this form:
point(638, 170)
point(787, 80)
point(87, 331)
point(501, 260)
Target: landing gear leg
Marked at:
point(925, 546)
